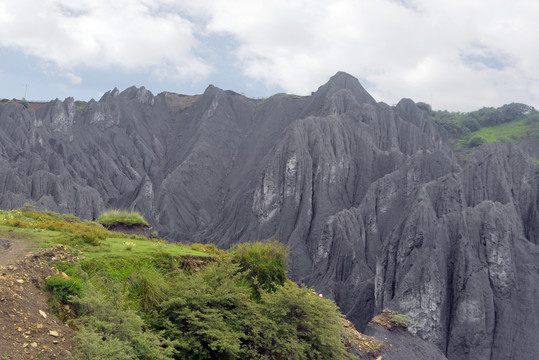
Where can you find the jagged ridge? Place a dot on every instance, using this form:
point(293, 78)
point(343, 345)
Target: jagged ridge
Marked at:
point(374, 206)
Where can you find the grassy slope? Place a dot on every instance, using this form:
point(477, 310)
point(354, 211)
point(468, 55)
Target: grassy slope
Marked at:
point(508, 132)
point(109, 261)
point(129, 278)
point(45, 229)
point(513, 132)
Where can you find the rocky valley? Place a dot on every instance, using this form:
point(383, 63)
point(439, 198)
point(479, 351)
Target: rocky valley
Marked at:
point(377, 209)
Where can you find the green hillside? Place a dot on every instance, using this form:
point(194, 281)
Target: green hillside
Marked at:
point(508, 123)
point(128, 297)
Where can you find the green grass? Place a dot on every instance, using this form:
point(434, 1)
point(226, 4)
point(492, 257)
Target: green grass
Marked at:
point(47, 228)
point(114, 217)
point(154, 300)
point(108, 261)
point(509, 132)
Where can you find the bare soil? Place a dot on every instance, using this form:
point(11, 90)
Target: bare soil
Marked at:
point(27, 328)
point(11, 250)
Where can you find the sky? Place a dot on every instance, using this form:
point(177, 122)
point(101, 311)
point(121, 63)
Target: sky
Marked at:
point(457, 55)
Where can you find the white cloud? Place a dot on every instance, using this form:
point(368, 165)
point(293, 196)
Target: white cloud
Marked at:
point(131, 35)
point(459, 53)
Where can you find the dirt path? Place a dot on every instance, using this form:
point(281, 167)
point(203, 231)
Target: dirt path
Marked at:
point(27, 329)
point(11, 250)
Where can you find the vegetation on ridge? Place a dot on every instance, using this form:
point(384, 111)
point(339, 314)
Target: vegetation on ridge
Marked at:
point(133, 298)
point(508, 123)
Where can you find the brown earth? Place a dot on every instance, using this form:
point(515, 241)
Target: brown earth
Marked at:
point(27, 328)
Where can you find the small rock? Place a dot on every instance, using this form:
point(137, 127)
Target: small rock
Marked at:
point(34, 344)
point(43, 313)
point(53, 333)
point(19, 329)
point(39, 326)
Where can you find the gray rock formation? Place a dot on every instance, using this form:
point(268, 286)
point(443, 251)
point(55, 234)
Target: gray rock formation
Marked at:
point(377, 211)
point(402, 345)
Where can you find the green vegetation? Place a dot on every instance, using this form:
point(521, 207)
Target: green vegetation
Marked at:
point(121, 217)
point(392, 320)
point(80, 105)
point(133, 298)
point(508, 123)
point(210, 316)
point(106, 330)
point(401, 319)
point(507, 132)
point(263, 264)
point(533, 161)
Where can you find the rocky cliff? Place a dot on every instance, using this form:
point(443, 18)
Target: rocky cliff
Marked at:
point(376, 209)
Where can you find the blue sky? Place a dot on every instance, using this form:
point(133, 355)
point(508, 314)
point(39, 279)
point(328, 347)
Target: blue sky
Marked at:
point(455, 54)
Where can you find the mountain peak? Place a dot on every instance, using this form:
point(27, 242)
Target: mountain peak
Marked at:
point(342, 80)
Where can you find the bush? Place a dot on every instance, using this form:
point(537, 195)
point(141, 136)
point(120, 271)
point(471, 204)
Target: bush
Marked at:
point(91, 237)
point(211, 317)
point(401, 319)
point(471, 123)
point(475, 141)
point(107, 331)
point(264, 265)
point(148, 287)
point(62, 292)
point(294, 323)
point(205, 312)
point(27, 207)
point(63, 289)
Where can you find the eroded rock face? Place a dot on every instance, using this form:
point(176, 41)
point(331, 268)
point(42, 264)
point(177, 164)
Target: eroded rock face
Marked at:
point(375, 208)
point(453, 248)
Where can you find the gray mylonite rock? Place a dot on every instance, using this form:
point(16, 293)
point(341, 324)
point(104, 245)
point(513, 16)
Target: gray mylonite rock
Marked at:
point(455, 249)
point(375, 208)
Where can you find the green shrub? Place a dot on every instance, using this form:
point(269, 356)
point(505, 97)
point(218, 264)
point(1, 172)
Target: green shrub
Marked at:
point(62, 292)
point(264, 265)
point(471, 123)
point(210, 315)
point(294, 323)
point(91, 237)
point(63, 289)
point(70, 218)
point(475, 141)
point(205, 312)
point(108, 331)
point(401, 319)
point(148, 287)
point(27, 207)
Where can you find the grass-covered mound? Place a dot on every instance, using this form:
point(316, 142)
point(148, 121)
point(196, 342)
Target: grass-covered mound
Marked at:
point(132, 298)
point(111, 218)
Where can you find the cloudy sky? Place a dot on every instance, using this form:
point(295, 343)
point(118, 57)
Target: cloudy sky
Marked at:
point(457, 55)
